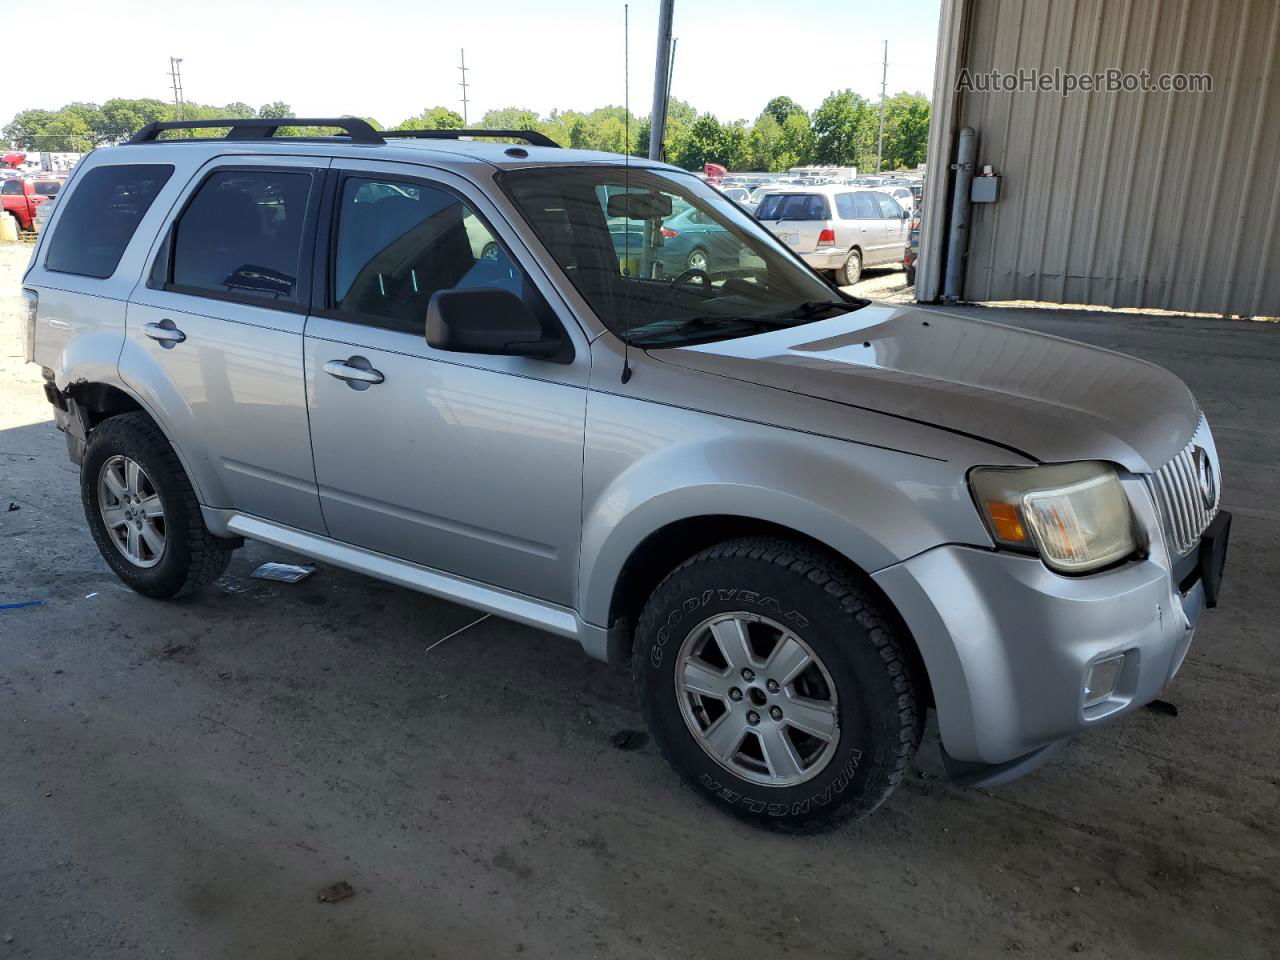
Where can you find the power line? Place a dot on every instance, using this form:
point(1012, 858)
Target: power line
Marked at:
point(462, 65)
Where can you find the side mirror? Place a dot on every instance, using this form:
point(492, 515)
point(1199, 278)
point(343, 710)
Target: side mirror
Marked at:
point(486, 320)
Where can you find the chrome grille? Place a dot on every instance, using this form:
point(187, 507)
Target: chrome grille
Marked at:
point(1188, 489)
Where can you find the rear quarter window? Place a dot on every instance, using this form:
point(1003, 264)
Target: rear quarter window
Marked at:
point(100, 216)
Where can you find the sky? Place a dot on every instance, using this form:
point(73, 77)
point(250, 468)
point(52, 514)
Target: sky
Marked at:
point(390, 59)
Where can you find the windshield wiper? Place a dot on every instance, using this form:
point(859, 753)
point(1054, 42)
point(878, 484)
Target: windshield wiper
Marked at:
point(811, 308)
point(704, 326)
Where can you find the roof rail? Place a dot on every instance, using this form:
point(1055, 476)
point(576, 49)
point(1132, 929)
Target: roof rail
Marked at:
point(531, 137)
point(259, 129)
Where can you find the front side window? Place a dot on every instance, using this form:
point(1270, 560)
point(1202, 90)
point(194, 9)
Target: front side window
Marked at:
point(398, 243)
point(865, 206)
point(627, 241)
point(100, 216)
point(890, 208)
point(242, 235)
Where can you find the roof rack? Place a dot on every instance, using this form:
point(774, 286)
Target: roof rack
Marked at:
point(260, 129)
point(531, 137)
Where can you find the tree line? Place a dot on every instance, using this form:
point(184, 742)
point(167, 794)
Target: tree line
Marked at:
point(842, 131)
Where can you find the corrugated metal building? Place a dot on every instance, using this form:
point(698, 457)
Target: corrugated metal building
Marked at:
point(1138, 199)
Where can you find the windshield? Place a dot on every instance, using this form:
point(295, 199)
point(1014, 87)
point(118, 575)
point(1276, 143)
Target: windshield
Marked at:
point(663, 259)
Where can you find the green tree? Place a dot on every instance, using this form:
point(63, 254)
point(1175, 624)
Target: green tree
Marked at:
point(122, 118)
point(509, 118)
point(840, 127)
point(433, 118)
point(275, 110)
point(26, 128)
point(906, 130)
point(797, 143)
point(780, 108)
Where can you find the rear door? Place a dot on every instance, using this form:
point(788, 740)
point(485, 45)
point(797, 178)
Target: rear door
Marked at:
point(214, 334)
point(866, 211)
point(797, 219)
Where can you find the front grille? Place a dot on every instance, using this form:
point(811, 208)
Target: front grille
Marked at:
point(1188, 489)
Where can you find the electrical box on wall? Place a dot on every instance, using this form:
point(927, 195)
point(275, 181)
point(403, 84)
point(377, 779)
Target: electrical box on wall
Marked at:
point(985, 189)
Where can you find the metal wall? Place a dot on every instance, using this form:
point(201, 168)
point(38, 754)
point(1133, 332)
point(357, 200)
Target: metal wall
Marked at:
point(1167, 200)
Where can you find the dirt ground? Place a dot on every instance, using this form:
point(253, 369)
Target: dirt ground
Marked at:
point(181, 779)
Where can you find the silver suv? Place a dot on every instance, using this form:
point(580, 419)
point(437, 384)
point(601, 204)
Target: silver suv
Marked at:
point(804, 518)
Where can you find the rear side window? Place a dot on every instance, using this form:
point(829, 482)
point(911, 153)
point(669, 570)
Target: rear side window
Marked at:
point(241, 235)
point(47, 188)
point(99, 219)
point(794, 206)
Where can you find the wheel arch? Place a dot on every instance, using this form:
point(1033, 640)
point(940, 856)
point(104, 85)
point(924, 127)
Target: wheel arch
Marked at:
point(667, 547)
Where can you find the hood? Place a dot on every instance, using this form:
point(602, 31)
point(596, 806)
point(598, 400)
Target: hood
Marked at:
point(1037, 395)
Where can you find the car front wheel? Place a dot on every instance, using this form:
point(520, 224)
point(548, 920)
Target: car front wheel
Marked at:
point(776, 686)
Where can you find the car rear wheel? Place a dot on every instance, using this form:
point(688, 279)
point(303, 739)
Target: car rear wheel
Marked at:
point(851, 270)
point(698, 260)
point(143, 512)
point(777, 687)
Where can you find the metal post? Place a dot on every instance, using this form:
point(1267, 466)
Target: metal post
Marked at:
point(175, 77)
point(661, 81)
point(958, 236)
point(884, 83)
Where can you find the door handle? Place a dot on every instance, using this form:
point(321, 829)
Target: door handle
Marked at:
point(165, 332)
point(360, 377)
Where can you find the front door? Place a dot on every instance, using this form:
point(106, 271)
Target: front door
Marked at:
point(214, 342)
point(465, 463)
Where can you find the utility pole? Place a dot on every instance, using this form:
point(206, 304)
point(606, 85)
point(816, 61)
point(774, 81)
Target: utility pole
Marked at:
point(884, 83)
point(462, 65)
point(175, 77)
point(661, 81)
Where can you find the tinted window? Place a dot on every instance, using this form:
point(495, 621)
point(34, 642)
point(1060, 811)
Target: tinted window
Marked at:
point(890, 208)
point(242, 233)
point(101, 215)
point(844, 206)
point(398, 243)
point(11, 187)
point(47, 188)
point(864, 206)
point(794, 206)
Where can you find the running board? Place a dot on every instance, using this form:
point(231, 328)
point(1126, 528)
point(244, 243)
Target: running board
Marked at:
point(500, 603)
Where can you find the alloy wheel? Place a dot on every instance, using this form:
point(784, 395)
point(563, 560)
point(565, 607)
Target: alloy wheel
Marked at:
point(757, 699)
point(131, 511)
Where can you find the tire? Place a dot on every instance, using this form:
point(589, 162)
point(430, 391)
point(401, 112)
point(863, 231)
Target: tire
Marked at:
point(911, 276)
point(851, 270)
point(698, 260)
point(189, 556)
point(861, 690)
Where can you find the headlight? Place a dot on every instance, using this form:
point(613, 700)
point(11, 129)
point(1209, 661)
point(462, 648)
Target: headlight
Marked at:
point(1076, 515)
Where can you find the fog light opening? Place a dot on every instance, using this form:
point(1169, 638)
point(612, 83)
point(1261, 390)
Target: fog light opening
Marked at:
point(1100, 683)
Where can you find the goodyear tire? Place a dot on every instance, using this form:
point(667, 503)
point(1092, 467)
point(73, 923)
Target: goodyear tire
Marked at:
point(776, 686)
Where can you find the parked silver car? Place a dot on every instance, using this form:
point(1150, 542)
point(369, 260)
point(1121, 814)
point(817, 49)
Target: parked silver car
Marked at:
point(836, 228)
point(803, 518)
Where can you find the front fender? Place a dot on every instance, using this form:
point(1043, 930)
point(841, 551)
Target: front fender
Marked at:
point(648, 466)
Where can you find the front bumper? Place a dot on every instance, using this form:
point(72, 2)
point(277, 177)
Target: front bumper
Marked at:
point(1007, 643)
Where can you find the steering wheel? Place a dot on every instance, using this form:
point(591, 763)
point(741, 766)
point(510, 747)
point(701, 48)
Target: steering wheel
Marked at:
point(681, 279)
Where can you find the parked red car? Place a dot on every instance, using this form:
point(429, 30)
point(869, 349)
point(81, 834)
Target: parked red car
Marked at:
point(21, 197)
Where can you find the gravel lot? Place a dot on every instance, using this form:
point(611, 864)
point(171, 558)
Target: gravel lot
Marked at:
point(181, 779)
